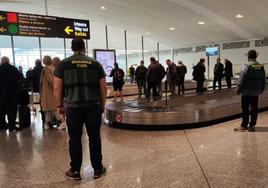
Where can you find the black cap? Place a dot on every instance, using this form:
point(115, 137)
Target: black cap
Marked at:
point(78, 45)
point(252, 54)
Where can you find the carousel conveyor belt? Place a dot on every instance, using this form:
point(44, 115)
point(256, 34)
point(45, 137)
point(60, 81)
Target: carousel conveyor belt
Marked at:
point(180, 112)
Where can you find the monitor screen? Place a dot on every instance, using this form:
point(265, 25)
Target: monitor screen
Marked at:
point(107, 58)
point(212, 51)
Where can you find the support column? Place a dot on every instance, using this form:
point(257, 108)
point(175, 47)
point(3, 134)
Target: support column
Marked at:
point(142, 48)
point(125, 34)
point(158, 51)
point(40, 48)
point(64, 46)
point(13, 50)
point(106, 34)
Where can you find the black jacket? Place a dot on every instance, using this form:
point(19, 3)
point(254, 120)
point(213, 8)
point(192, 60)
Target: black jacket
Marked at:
point(182, 70)
point(154, 73)
point(228, 71)
point(218, 71)
point(140, 73)
point(10, 79)
point(200, 70)
point(34, 77)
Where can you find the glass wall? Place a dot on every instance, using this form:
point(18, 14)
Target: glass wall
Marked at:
point(134, 49)
point(150, 50)
point(6, 47)
point(165, 53)
point(53, 47)
point(116, 41)
point(26, 52)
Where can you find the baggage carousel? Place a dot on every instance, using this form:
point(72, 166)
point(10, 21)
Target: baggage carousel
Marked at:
point(184, 111)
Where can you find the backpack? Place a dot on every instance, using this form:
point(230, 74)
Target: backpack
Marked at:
point(195, 73)
point(173, 72)
point(118, 76)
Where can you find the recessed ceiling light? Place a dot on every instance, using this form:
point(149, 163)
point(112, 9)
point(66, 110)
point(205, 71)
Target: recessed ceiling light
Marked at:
point(172, 28)
point(103, 8)
point(201, 23)
point(240, 16)
point(148, 33)
point(113, 40)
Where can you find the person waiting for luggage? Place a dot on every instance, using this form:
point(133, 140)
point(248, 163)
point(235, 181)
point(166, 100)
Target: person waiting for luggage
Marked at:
point(140, 75)
point(132, 74)
point(199, 75)
point(10, 78)
point(47, 98)
point(181, 70)
point(251, 83)
point(218, 73)
point(228, 72)
point(118, 81)
point(172, 76)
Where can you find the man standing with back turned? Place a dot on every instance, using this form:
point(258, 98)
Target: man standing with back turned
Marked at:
point(251, 84)
point(83, 80)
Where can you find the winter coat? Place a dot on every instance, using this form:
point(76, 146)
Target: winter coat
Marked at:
point(47, 98)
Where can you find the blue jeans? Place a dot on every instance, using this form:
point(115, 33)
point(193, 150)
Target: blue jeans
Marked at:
point(89, 116)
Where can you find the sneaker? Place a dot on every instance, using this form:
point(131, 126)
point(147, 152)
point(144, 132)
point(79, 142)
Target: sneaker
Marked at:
point(98, 174)
point(241, 129)
point(73, 175)
point(62, 126)
point(251, 128)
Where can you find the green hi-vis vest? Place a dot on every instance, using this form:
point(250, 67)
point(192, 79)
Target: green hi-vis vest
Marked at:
point(81, 79)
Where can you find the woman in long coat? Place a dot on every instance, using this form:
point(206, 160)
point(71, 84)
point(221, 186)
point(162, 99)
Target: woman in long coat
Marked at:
point(47, 98)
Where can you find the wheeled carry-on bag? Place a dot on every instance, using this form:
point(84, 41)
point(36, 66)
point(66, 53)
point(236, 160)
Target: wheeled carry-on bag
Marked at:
point(24, 116)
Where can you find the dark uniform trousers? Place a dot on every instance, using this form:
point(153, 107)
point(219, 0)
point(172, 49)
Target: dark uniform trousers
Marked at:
point(141, 84)
point(89, 116)
point(8, 107)
point(229, 81)
point(200, 86)
point(152, 85)
point(181, 85)
point(251, 101)
point(215, 81)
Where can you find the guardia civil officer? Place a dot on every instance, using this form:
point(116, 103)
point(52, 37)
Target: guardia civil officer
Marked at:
point(83, 80)
point(251, 84)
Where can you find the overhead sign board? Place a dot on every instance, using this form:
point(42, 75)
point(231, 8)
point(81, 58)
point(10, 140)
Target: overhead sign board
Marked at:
point(21, 24)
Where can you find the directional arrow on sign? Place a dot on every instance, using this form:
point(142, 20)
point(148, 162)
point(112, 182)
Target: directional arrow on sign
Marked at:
point(2, 29)
point(2, 18)
point(68, 30)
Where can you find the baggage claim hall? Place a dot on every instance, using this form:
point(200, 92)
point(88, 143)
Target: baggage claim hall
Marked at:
point(133, 93)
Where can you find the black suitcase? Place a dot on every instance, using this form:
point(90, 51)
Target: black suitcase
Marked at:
point(24, 116)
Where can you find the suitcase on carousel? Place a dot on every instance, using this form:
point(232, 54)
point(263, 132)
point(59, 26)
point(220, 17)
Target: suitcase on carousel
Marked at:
point(24, 116)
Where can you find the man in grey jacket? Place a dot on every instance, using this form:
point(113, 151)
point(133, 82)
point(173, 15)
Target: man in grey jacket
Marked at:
point(251, 84)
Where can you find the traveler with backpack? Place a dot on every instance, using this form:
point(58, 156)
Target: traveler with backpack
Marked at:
point(118, 81)
point(199, 75)
point(172, 76)
point(251, 84)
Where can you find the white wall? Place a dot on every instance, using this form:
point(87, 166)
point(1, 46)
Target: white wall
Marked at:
point(236, 56)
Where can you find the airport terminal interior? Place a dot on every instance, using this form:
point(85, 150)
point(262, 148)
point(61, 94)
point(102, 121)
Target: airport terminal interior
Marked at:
point(184, 130)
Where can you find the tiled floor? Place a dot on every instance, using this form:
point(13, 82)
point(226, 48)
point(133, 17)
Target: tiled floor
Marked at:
point(213, 156)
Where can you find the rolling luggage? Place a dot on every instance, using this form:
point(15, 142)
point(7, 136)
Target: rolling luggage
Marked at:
point(24, 116)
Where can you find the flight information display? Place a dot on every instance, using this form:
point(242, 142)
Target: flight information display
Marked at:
point(21, 24)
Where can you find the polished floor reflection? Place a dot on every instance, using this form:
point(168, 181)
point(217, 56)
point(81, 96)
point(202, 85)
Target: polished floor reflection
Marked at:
point(214, 156)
